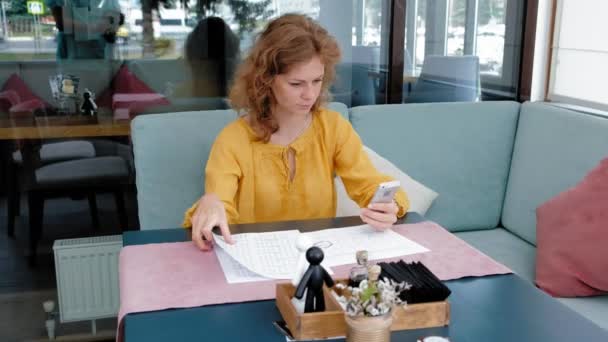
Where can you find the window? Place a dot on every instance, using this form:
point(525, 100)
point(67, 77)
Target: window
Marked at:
point(483, 36)
point(161, 60)
point(132, 59)
point(579, 65)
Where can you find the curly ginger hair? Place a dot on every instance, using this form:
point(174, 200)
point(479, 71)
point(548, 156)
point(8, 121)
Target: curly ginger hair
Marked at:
point(286, 41)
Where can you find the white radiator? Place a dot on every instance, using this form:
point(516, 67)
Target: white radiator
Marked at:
point(87, 277)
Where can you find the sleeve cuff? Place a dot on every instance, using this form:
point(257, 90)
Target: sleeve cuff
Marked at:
point(402, 202)
point(187, 223)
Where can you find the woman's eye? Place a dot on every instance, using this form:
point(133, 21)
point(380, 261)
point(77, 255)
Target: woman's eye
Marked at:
point(294, 84)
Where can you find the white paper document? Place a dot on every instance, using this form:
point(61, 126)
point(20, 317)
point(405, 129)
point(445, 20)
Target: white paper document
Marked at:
point(234, 271)
point(341, 244)
point(271, 255)
point(259, 256)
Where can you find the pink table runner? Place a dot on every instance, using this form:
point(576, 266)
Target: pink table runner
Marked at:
point(121, 100)
point(126, 106)
point(177, 275)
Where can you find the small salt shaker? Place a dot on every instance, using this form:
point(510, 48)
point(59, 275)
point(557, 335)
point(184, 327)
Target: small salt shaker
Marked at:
point(359, 272)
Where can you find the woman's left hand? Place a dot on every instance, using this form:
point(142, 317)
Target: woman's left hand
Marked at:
point(380, 216)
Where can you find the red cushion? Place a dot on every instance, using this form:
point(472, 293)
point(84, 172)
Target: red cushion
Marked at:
point(8, 98)
point(16, 84)
point(26, 107)
point(572, 236)
point(125, 82)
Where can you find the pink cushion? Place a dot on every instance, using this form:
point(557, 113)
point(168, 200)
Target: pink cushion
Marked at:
point(125, 82)
point(572, 231)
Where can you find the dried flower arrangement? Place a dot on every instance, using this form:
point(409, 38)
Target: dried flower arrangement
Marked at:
point(373, 297)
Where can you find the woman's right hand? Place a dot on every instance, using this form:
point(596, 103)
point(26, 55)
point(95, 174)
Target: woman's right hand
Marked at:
point(210, 213)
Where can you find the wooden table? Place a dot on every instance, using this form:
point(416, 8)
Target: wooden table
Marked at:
point(103, 125)
point(30, 131)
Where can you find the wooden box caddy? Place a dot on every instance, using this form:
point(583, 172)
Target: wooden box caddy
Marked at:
point(331, 323)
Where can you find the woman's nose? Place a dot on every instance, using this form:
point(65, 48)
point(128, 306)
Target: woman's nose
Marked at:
point(308, 92)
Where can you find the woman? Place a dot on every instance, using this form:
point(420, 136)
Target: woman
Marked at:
point(211, 51)
point(278, 160)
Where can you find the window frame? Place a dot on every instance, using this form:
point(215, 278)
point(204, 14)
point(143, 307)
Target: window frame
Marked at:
point(550, 95)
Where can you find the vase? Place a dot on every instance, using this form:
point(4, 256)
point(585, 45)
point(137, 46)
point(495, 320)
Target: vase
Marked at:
point(369, 328)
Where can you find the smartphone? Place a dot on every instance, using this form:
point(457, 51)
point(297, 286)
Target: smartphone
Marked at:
point(386, 192)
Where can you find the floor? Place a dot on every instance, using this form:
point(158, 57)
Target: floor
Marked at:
point(23, 289)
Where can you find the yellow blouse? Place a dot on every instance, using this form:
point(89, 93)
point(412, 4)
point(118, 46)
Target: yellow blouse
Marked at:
point(252, 177)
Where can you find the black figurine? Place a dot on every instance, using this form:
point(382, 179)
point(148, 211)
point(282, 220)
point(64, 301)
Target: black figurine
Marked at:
point(88, 107)
point(312, 282)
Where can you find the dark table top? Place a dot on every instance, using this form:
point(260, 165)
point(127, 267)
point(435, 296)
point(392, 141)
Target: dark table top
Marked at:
point(494, 308)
